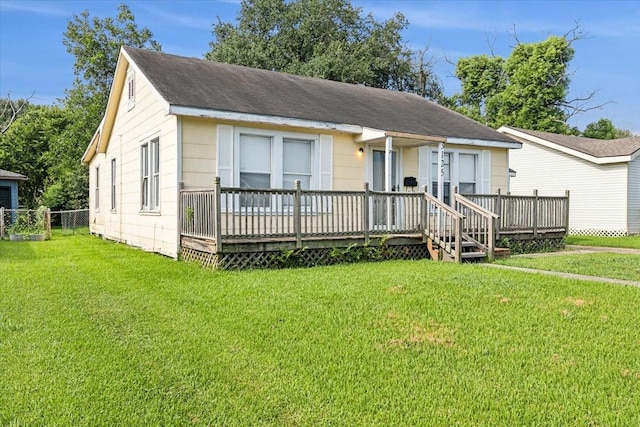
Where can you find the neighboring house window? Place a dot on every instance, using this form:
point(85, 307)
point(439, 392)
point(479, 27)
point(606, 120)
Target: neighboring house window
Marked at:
point(113, 184)
point(150, 175)
point(97, 192)
point(131, 88)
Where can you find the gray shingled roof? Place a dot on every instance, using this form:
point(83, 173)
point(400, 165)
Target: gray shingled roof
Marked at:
point(12, 176)
point(190, 82)
point(591, 146)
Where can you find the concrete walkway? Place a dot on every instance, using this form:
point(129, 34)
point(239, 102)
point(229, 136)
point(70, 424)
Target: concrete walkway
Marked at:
point(571, 250)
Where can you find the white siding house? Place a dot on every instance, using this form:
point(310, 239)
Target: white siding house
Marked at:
point(603, 177)
point(175, 122)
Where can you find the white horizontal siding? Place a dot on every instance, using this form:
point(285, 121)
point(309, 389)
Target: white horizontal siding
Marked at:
point(634, 196)
point(132, 127)
point(598, 192)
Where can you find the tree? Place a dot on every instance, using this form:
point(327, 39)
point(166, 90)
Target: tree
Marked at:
point(604, 129)
point(328, 39)
point(10, 110)
point(25, 148)
point(95, 44)
point(528, 89)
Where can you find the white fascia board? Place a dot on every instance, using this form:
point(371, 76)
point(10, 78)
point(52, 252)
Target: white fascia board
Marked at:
point(484, 143)
point(370, 134)
point(566, 150)
point(258, 118)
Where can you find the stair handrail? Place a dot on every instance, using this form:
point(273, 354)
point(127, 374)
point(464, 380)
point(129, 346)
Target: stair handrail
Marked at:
point(491, 219)
point(435, 225)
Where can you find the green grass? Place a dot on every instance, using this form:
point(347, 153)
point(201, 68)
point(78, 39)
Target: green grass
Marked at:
point(96, 333)
point(632, 242)
point(616, 266)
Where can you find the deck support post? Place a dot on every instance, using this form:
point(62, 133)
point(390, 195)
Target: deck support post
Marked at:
point(566, 213)
point(365, 213)
point(441, 172)
point(217, 225)
point(535, 213)
point(498, 211)
point(297, 214)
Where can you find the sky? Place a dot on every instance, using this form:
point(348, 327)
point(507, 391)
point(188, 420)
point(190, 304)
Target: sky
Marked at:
point(33, 59)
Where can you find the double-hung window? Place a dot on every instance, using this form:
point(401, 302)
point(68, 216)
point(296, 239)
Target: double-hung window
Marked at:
point(468, 165)
point(267, 159)
point(150, 175)
point(459, 169)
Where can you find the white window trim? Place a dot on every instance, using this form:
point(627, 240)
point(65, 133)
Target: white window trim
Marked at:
point(277, 138)
point(153, 202)
point(131, 88)
point(455, 175)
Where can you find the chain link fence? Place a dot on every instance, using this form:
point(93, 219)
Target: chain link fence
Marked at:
point(71, 221)
point(26, 221)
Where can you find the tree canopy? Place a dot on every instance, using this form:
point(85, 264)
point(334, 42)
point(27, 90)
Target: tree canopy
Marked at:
point(529, 89)
point(604, 129)
point(328, 39)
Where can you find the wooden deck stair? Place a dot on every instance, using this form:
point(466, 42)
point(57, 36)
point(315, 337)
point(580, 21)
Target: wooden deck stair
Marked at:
point(470, 251)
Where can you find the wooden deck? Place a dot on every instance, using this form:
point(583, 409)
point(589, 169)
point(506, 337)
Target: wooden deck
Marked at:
point(223, 221)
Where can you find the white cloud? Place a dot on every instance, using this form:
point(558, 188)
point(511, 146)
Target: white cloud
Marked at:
point(40, 8)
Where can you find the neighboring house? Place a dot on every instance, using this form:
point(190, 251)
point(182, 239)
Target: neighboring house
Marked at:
point(173, 121)
point(9, 188)
point(603, 177)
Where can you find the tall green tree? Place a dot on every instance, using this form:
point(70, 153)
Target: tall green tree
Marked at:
point(95, 45)
point(328, 39)
point(26, 148)
point(529, 89)
point(604, 129)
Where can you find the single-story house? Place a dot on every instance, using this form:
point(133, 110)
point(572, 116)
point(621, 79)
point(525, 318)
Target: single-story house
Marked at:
point(603, 177)
point(9, 188)
point(175, 123)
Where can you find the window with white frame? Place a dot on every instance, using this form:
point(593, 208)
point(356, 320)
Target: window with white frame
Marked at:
point(467, 173)
point(113, 184)
point(150, 175)
point(267, 159)
point(97, 191)
point(460, 169)
point(131, 88)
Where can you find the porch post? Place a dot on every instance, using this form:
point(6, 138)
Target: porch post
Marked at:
point(387, 164)
point(388, 168)
point(441, 172)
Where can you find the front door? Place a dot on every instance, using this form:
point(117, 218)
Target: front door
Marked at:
point(5, 198)
point(383, 207)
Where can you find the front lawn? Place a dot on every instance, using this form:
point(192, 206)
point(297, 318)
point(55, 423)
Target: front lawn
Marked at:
point(96, 333)
point(631, 242)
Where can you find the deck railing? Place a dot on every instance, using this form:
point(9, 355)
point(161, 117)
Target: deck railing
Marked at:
point(443, 225)
point(526, 214)
point(226, 214)
point(478, 224)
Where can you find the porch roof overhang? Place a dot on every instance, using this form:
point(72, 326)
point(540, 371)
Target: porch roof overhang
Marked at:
point(403, 139)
